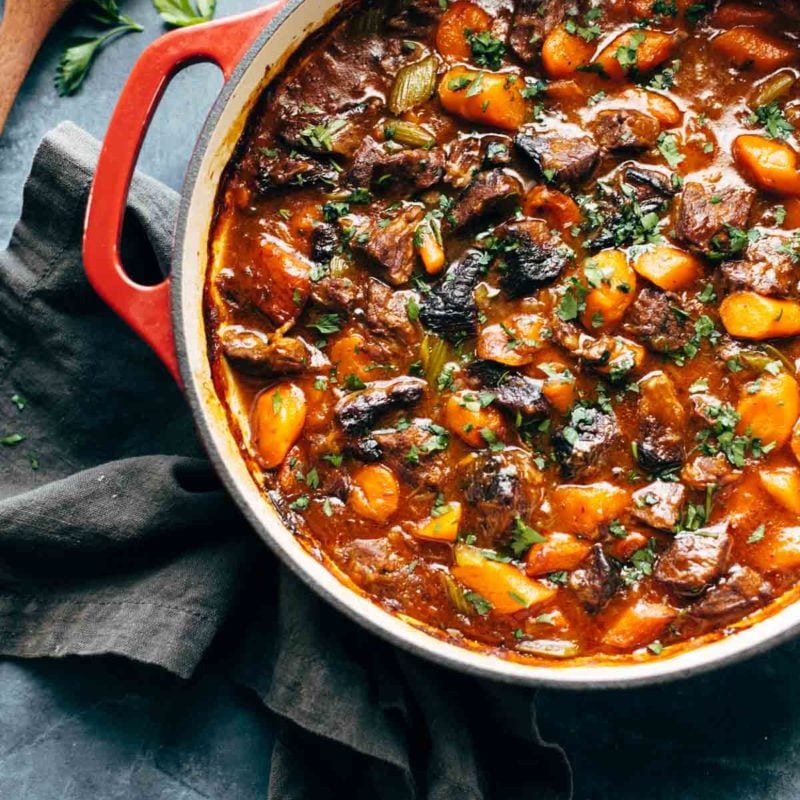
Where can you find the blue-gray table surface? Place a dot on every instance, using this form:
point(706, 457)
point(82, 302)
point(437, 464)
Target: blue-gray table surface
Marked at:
point(104, 729)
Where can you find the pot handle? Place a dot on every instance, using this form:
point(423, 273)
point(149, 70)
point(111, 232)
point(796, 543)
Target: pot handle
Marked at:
point(147, 308)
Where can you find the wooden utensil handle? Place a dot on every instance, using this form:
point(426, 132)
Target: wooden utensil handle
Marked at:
point(22, 30)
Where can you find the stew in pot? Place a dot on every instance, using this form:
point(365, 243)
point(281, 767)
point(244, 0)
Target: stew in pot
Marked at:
point(509, 293)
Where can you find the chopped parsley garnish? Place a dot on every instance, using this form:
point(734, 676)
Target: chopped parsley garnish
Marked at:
point(627, 54)
point(480, 604)
point(523, 536)
point(326, 324)
point(320, 137)
point(772, 119)
point(668, 147)
point(757, 535)
point(641, 564)
point(486, 50)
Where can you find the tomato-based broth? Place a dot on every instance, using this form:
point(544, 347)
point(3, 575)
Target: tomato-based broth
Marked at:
point(504, 305)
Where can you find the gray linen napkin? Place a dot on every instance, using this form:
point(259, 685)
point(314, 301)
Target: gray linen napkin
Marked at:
point(116, 537)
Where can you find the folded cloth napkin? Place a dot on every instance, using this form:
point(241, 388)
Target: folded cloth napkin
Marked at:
point(116, 537)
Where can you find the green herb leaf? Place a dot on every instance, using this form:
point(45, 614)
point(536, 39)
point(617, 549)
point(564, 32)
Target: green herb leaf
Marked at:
point(523, 536)
point(182, 13)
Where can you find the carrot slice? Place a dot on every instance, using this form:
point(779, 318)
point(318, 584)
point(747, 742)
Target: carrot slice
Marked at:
point(443, 527)
point(747, 47)
point(563, 53)
point(750, 316)
point(513, 342)
point(770, 165)
point(783, 485)
point(584, 509)
point(503, 585)
point(640, 50)
point(375, 493)
point(556, 208)
point(488, 98)
point(455, 25)
point(561, 551)
point(468, 416)
point(639, 623)
point(612, 284)
point(278, 417)
point(669, 268)
point(729, 15)
point(769, 408)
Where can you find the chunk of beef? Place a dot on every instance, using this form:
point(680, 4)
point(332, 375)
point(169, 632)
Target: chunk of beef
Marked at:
point(533, 256)
point(659, 504)
point(324, 242)
point(338, 293)
point(414, 452)
point(467, 156)
point(695, 560)
point(275, 281)
point(767, 268)
point(583, 442)
point(622, 129)
point(533, 20)
point(391, 245)
point(741, 589)
point(490, 193)
point(513, 391)
point(596, 580)
point(387, 312)
point(655, 318)
point(498, 488)
point(415, 17)
point(358, 411)
point(706, 212)
point(373, 163)
point(660, 443)
point(705, 471)
point(648, 184)
point(318, 133)
point(275, 168)
point(254, 353)
point(449, 309)
point(613, 356)
point(557, 156)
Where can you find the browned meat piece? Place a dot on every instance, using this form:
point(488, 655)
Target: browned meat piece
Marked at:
point(625, 129)
point(596, 580)
point(706, 212)
point(468, 155)
point(767, 268)
point(414, 452)
point(741, 589)
point(449, 309)
point(276, 168)
point(648, 184)
point(706, 406)
point(416, 16)
point(318, 133)
point(335, 293)
point(387, 312)
point(581, 445)
point(492, 193)
point(659, 504)
point(705, 471)
point(559, 157)
point(358, 411)
point(391, 245)
point(655, 318)
point(534, 256)
point(373, 163)
point(662, 425)
point(498, 488)
point(694, 560)
point(533, 20)
point(276, 281)
point(324, 242)
point(515, 392)
point(255, 353)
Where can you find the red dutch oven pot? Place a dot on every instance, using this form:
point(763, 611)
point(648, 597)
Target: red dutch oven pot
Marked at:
point(250, 49)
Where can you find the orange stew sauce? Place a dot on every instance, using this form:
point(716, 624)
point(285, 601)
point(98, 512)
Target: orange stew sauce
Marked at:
point(508, 295)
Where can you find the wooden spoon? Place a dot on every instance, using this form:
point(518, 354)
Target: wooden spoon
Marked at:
point(24, 26)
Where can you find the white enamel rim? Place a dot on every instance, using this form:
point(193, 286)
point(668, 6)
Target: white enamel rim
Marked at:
point(213, 150)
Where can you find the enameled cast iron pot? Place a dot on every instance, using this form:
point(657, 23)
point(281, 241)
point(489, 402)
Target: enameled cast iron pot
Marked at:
point(250, 49)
